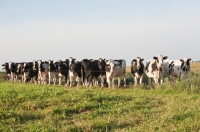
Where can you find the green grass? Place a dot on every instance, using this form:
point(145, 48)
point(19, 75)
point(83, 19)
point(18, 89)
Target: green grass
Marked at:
point(172, 106)
point(29, 107)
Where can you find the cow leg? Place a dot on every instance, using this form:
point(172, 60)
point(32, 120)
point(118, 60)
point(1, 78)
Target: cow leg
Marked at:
point(124, 80)
point(141, 79)
point(71, 81)
point(113, 82)
point(135, 80)
point(59, 80)
point(108, 81)
point(102, 81)
point(78, 80)
point(119, 80)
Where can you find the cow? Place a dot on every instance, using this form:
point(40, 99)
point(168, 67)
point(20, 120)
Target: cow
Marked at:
point(154, 69)
point(75, 71)
point(63, 70)
point(177, 68)
point(20, 72)
point(6, 68)
point(29, 72)
point(102, 65)
point(115, 68)
point(52, 72)
point(13, 69)
point(137, 69)
point(91, 70)
point(42, 71)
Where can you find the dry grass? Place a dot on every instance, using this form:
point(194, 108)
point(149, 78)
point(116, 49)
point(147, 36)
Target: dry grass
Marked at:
point(194, 67)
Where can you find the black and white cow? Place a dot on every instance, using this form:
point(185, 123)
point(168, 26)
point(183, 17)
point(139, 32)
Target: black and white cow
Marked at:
point(102, 65)
point(75, 72)
point(177, 68)
point(154, 69)
point(6, 68)
point(42, 71)
point(63, 70)
point(20, 72)
point(13, 70)
point(53, 72)
point(91, 70)
point(137, 69)
point(115, 68)
point(29, 72)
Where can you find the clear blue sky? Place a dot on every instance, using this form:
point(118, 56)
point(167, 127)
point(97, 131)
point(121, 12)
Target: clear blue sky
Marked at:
point(111, 29)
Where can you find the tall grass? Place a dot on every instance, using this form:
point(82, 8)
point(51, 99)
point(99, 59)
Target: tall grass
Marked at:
point(171, 106)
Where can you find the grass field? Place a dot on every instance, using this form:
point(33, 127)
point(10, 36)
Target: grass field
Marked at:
point(166, 107)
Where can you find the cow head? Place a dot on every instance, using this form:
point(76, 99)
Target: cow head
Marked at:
point(71, 60)
point(159, 59)
point(6, 66)
point(137, 62)
point(35, 65)
point(101, 64)
point(39, 62)
point(51, 66)
point(20, 67)
point(86, 63)
point(110, 65)
point(185, 64)
point(59, 65)
point(26, 67)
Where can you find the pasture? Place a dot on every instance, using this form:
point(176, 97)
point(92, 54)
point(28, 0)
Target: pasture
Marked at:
point(171, 106)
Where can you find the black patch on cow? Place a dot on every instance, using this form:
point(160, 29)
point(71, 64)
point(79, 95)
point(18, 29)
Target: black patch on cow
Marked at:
point(119, 62)
point(154, 66)
point(52, 67)
point(171, 67)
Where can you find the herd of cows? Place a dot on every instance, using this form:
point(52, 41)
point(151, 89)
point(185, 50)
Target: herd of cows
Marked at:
point(88, 71)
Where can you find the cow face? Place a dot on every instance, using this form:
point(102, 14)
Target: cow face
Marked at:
point(71, 60)
point(137, 62)
point(39, 62)
point(20, 67)
point(59, 65)
point(110, 66)
point(35, 65)
point(185, 64)
point(159, 60)
point(26, 67)
point(101, 64)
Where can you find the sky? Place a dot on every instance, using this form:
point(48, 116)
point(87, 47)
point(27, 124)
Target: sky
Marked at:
point(111, 29)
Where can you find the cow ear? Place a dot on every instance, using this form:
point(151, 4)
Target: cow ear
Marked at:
point(181, 60)
point(189, 59)
point(3, 65)
point(155, 58)
point(142, 59)
point(164, 58)
point(134, 60)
